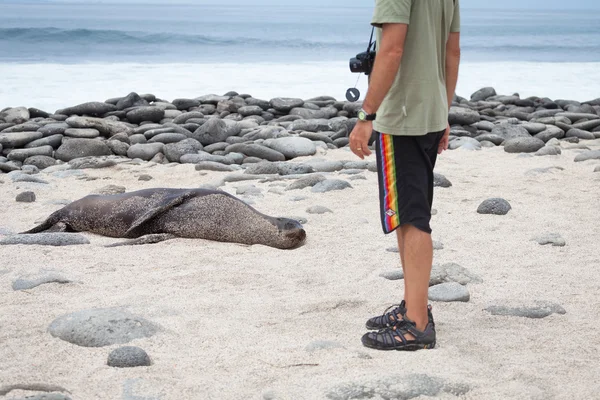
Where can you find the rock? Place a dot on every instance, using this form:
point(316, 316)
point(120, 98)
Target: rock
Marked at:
point(305, 182)
point(465, 143)
point(549, 151)
point(17, 115)
point(54, 141)
point(167, 138)
point(101, 327)
point(131, 100)
point(46, 239)
point(82, 133)
point(509, 131)
point(174, 151)
point(294, 169)
point(497, 140)
point(463, 116)
point(92, 163)
point(216, 166)
point(440, 180)
point(551, 238)
point(393, 387)
point(597, 169)
point(588, 155)
point(285, 105)
point(318, 210)
point(215, 130)
point(23, 154)
point(539, 310)
point(105, 126)
point(249, 190)
point(255, 150)
point(292, 147)
point(437, 245)
point(329, 185)
point(26, 127)
point(483, 94)
point(186, 104)
point(54, 129)
point(145, 151)
point(77, 148)
point(183, 118)
point(25, 197)
point(128, 357)
point(41, 162)
point(110, 189)
point(523, 145)
point(573, 116)
point(93, 109)
point(117, 147)
point(449, 292)
point(494, 206)
point(393, 275)
point(37, 387)
point(325, 166)
point(42, 278)
point(246, 111)
point(18, 139)
point(145, 114)
point(452, 272)
point(581, 134)
point(22, 177)
point(552, 132)
point(534, 128)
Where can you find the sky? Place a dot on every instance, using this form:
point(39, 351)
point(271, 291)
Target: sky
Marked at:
point(481, 4)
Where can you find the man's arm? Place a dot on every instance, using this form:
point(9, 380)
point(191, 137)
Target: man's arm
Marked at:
point(387, 63)
point(452, 65)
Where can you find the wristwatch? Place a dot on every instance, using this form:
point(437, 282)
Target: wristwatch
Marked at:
point(364, 116)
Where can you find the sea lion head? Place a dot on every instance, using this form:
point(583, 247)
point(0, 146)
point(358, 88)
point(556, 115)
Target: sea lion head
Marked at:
point(291, 233)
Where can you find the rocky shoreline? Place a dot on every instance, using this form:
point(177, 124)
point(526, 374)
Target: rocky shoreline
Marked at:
point(223, 132)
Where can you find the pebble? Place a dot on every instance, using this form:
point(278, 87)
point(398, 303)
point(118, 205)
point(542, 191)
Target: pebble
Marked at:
point(588, 155)
point(128, 357)
point(216, 166)
point(292, 147)
point(440, 180)
point(25, 197)
point(496, 206)
point(523, 145)
point(449, 292)
point(318, 210)
point(101, 327)
point(393, 275)
point(329, 185)
point(46, 239)
point(538, 310)
point(451, 272)
point(42, 278)
point(549, 151)
point(554, 239)
point(309, 181)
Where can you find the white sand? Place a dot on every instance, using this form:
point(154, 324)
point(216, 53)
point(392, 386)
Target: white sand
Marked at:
point(236, 320)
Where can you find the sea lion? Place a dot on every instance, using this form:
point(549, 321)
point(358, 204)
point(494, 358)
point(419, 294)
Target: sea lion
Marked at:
point(185, 213)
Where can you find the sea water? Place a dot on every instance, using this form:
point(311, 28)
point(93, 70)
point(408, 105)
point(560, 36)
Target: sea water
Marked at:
point(53, 55)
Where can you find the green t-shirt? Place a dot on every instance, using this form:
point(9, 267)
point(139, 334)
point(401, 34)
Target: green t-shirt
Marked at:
point(417, 102)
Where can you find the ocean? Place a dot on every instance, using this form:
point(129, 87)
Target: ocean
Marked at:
point(53, 55)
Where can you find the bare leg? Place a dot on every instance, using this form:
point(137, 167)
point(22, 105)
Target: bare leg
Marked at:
point(400, 236)
point(418, 258)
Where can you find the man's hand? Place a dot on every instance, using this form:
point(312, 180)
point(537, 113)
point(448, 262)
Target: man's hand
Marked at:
point(444, 142)
point(359, 139)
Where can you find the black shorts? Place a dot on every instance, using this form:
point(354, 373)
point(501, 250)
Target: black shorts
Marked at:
point(405, 169)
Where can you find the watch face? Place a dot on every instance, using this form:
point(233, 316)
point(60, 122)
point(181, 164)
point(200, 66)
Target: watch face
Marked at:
point(362, 115)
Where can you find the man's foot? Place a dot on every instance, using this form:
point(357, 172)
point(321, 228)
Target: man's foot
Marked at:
point(403, 336)
point(391, 317)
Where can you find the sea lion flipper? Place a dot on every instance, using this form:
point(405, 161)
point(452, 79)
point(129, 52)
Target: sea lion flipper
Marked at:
point(147, 239)
point(166, 204)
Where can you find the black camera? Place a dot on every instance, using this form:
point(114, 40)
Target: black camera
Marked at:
point(363, 62)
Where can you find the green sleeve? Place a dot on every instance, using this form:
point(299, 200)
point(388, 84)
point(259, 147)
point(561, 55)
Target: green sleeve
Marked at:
point(391, 12)
point(455, 26)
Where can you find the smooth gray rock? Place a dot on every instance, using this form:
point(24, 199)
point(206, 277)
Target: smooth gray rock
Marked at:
point(82, 133)
point(449, 292)
point(292, 147)
point(77, 148)
point(464, 143)
point(37, 387)
point(305, 182)
point(145, 151)
point(166, 138)
point(483, 94)
point(288, 168)
point(54, 141)
point(203, 156)
point(575, 117)
point(549, 151)
point(490, 137)
point(286, 104)
point(92, 109)
point(17, 115)
point(391, 388)
point(452, 272)
point(18, 139)
point(215, 131)
point(25, 197)
point(183, 118)
point(42, 278)
point(58, 128)
point(174, 151)
point(47, 239)
point(18, 176)
point(509, 131)
point(393, 275)
point(92, 163)
point(117, 147)
point(145, 114)
point(106, 127)
point(523, 145)
point(128, 357)
point(26, 127)
point(538, 310)
point(534, 127)
point(41, 162)
point(101, 327)
point(318, 210)
point(216, 166)
point(554, 239)
point(247, 111)
point(329, 185)
point(145, 178)
point(23, 154)
point(581, 134)
point(440, 180)
point(255, 150)
point(588, 155)
point(131, 100)
point(186, 104)
point(463, 116)
point(494, 206)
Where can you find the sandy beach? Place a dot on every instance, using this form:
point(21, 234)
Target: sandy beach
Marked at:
point(254, 322)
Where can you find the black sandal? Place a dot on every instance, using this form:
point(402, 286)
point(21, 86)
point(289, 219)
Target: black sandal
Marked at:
point(390, 318)
point(387, 338)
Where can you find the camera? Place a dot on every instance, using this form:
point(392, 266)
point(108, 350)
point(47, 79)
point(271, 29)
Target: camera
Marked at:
point(363, 62)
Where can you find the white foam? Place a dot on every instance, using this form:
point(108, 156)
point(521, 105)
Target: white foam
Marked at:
point(54, 86)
